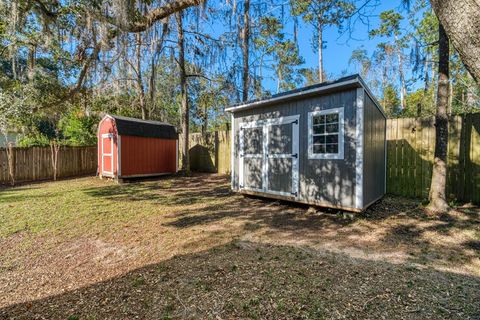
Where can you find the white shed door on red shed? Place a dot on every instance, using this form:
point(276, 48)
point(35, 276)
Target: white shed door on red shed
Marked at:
point(107, 154)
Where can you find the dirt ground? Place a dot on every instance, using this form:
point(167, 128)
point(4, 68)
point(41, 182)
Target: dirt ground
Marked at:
point(186, 247)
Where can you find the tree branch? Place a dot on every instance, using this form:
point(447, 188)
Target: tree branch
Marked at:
point(145, 22)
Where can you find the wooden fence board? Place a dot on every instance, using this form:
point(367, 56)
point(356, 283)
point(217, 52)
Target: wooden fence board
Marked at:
point(35, 163)
point(209, 152)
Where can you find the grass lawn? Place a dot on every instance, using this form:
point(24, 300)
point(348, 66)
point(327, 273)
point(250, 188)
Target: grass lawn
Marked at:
point(188, 248)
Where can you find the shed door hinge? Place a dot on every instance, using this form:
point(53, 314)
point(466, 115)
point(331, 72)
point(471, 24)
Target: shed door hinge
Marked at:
point(295, 155)
point(295, 122)
point(295, 194)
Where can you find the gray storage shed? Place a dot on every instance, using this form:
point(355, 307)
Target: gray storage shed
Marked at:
point(322, 145)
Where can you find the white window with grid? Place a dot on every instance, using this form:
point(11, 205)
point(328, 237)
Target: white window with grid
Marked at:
point(326, 134)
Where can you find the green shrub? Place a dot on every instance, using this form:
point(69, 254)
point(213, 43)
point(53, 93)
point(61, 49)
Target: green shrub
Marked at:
point(78, 129)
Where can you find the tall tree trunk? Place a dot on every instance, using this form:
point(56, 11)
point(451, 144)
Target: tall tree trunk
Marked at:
point(435, 86)
point(183, 94)
point(140, 88)
point(245, 43)
point(403, 90)
point(279, 80)
point(426, 84)
point(438, 201)
point(384, 78)
point(461, 20)
point(258, 87)
point(14, 66)
point(320, 50)
point(470, 96)
point(54, 148)
point(205, 120)
point(31, 62)
point(450, 99)
point(10, 160)
point(152, 86)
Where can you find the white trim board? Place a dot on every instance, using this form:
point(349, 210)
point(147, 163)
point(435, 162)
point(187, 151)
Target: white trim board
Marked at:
point(232, 152)
point(359, 127)
point(176, 155)
point(119, 155)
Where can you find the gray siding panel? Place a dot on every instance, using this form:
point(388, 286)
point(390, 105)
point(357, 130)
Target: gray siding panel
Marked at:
point(374, 160)
point(320, 180)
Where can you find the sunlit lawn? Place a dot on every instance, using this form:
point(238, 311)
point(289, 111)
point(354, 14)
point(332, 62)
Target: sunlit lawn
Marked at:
point(187, 247)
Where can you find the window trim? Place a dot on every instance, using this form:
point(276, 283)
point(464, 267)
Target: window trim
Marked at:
point(341, 134)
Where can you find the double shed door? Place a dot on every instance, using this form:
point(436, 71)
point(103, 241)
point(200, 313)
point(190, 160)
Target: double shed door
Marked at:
point(269, 156)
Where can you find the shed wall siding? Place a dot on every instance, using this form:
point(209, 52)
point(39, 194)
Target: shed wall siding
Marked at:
point(142, 156)
point(374, 160)
point(327, 181)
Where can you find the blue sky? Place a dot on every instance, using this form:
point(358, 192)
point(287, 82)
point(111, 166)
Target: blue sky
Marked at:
point(338, 47)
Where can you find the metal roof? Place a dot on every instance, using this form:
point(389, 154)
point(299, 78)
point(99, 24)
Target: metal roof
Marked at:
point(352, 81)
point(144, 128)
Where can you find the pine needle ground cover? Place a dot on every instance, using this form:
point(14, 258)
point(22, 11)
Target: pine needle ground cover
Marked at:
point(186, 247)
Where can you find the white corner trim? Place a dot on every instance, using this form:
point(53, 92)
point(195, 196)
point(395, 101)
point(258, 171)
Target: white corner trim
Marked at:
point(265, 165)
point(385, 155)
point(232, 152)
point(176, 155)
point(341, 135)
point(295, 160)
point(119, 155)
point(359, 122)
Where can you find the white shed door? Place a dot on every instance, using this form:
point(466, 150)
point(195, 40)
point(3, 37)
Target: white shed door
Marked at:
point(107, 154)
point(269, 156)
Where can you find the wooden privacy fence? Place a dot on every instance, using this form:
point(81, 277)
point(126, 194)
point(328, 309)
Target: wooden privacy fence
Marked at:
point(209, 152)
point(410, 149)
point(35, 163)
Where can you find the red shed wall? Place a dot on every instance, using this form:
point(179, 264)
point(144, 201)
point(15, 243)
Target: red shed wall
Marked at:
point(141, 155)
point(107, 125)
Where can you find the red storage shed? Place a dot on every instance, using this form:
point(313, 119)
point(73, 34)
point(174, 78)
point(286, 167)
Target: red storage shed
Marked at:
point(129, 147)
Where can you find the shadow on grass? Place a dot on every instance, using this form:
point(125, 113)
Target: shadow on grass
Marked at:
point(18, 195)
point(388, 224)
point(251, 280)
point(171, 191)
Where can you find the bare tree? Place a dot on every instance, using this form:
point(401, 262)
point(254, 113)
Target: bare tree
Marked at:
point(245, 47)
point(183, 93)
point(54, 148)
